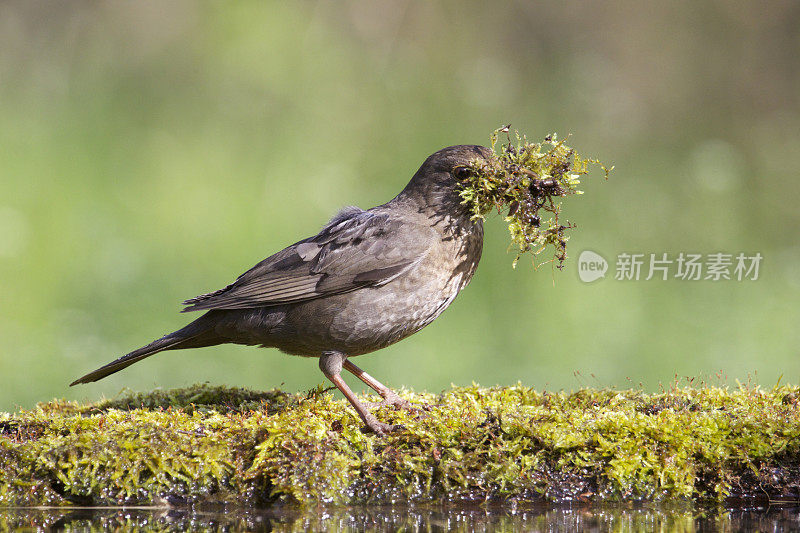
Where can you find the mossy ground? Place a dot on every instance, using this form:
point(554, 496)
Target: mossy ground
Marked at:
point(238, 447)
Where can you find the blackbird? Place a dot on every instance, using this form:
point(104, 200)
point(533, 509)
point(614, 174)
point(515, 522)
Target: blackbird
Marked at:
point(365, 281)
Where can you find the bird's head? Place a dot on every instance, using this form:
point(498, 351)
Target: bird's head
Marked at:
point(436, 183)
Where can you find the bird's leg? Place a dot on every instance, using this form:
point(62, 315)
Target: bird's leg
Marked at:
point(388, 395)
point(331, 365)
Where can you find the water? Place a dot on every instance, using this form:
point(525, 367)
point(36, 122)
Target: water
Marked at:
point(584, 518)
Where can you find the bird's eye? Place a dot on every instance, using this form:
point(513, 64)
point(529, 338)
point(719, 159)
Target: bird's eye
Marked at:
point(462, 173)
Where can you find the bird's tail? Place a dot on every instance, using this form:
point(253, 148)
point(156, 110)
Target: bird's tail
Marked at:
point(195, 335)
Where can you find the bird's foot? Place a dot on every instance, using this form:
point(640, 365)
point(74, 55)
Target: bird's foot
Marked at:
point(391, 398)
point(373, 425)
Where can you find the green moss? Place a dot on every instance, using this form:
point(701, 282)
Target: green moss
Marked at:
point(218, 445)
point(521, 179)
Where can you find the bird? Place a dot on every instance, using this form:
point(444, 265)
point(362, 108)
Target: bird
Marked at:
point(368, 279)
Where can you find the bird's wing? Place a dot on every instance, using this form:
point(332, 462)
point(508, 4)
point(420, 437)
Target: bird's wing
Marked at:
point(355, 249)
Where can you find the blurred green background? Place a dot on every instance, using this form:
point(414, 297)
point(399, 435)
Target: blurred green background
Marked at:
point(153, 151)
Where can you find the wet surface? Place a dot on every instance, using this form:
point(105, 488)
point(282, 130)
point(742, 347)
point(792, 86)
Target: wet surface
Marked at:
point(784, 517)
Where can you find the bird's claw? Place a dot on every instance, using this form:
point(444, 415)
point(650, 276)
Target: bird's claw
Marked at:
point(373, 425)
point(397, 402)
point(391, 398)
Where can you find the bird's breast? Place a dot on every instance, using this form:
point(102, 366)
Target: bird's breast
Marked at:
point(377, 317)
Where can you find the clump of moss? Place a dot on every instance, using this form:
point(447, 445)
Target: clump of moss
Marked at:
point(473, 445)
point(522, 179)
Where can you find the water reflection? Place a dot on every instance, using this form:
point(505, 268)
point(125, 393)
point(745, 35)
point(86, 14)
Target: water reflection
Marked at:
point(549, 518)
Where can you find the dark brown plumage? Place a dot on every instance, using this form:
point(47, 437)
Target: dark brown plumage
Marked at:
point(366, 280)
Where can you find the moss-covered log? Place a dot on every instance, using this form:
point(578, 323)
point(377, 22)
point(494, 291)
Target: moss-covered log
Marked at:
point(237, 447)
